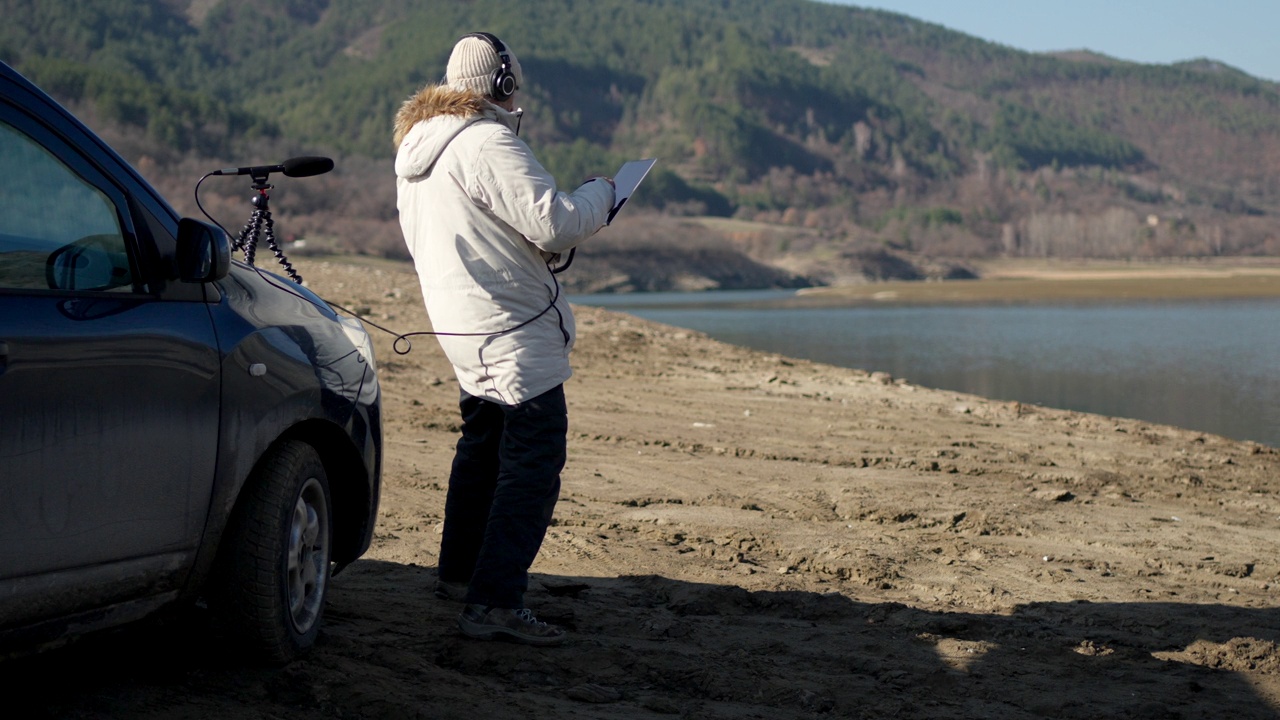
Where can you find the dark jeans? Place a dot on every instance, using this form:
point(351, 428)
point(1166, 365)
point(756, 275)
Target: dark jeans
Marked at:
point(502, 491)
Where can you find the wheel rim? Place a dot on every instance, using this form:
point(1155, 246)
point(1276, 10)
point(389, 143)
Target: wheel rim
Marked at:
point(308, 559)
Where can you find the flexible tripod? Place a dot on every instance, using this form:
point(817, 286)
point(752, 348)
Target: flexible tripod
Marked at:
point(261, 225)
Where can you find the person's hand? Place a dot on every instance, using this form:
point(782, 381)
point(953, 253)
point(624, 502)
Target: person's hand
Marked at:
point(602, 177)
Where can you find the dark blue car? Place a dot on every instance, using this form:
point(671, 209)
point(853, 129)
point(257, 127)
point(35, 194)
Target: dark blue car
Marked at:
point(175, 426)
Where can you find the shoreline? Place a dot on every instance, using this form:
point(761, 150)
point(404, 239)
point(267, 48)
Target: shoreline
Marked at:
point(1082, 284)
point(1205, 401)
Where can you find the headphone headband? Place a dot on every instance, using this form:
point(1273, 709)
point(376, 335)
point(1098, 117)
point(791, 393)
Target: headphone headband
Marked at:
point(493, 40)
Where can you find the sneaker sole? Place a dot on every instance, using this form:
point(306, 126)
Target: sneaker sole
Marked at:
point(476, 631)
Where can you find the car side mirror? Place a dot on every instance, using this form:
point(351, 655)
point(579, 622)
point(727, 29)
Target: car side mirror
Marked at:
point(93, 262)
point(204, 252)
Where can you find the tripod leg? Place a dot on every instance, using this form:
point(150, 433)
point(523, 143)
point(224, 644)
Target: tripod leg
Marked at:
point(251, 242)
point(271, 243)
point(248, 233)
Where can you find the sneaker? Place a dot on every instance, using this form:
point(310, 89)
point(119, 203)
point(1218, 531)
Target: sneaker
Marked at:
point(518, 625)
point(452, 591)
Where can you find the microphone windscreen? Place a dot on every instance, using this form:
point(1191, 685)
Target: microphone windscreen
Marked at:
point(306, 166)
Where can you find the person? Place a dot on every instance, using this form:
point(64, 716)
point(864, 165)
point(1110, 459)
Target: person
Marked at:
point(484, 222)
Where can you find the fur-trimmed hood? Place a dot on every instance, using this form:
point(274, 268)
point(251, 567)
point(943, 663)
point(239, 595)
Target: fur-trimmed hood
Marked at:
point(431, 118)
point(433, 101)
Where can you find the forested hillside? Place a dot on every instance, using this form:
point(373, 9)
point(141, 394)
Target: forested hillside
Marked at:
point(839, 139)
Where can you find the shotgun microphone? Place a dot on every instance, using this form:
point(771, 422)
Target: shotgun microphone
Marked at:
point(293, 167)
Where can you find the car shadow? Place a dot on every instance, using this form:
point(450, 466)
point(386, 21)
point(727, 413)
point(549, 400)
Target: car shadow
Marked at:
point(648, 645)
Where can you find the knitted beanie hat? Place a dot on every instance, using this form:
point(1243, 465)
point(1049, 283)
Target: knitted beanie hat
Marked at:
point(473, 63)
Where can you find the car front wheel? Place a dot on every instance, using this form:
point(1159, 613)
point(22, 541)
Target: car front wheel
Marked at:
point(276, 553)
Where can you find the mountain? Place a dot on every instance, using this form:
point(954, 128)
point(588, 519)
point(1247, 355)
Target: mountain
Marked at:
point(839, 140)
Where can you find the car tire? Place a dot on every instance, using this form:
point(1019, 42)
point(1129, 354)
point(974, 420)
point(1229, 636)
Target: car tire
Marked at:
point(275, 556)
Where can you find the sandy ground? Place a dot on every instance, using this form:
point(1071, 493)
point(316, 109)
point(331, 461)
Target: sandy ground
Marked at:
point(742, 535)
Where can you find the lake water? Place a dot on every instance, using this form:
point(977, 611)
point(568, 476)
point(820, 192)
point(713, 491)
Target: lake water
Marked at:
point(1205, 365)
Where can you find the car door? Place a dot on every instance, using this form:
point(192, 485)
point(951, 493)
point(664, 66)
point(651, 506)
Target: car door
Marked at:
point(108, 390)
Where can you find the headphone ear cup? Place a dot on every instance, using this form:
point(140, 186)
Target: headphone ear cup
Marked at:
point(504, 84)
point(497, 86)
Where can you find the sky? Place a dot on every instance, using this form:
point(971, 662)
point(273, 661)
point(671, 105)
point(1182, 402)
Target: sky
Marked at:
point(1240, 33)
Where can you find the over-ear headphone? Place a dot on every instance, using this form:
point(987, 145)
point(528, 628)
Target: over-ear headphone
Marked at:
point(504, 83)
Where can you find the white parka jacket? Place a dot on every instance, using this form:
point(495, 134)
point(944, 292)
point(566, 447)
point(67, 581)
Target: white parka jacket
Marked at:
point(481, 218)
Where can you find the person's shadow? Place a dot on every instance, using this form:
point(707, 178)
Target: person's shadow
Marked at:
point(649, 646)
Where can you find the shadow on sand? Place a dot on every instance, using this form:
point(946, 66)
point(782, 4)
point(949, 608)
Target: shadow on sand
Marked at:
point(648, 646)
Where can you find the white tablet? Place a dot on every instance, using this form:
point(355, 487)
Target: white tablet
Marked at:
point(626, 181)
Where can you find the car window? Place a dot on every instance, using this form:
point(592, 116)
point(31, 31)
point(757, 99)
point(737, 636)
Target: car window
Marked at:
point(57, 231)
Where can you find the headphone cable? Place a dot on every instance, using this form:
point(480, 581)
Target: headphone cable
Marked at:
point(408, 344)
